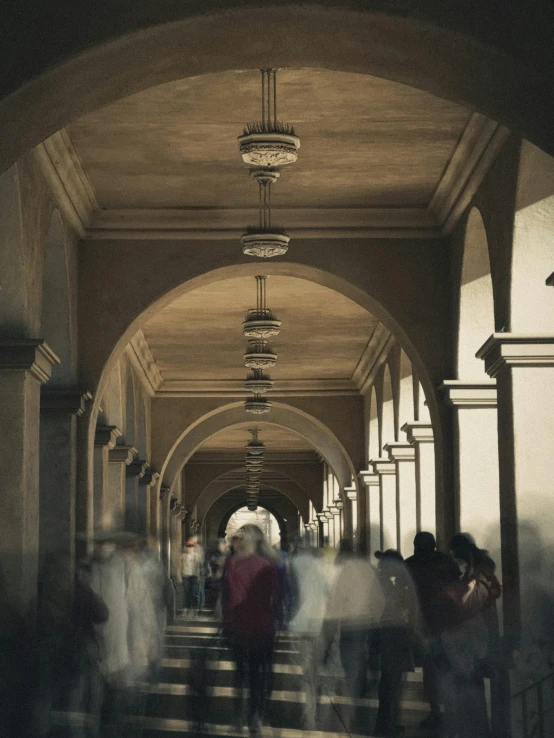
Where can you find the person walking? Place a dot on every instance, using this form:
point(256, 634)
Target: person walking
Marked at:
point(431, 572)
point(400, 623)
point(192, 560)
point(251, 613)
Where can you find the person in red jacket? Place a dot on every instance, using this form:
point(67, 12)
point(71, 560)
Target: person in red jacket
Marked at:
point(252, 612)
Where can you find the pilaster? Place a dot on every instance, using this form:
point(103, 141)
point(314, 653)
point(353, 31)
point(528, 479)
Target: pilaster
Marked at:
point(120, 457)
point(403, 457)
point(476, 480)
point(370, 482)
point(386, 471)
point(420, 435)
point(105, 438)
point(60, 408)
point(523, 366)
point(24, 365)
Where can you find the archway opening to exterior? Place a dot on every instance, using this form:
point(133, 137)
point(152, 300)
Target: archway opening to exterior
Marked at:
point(262, 518)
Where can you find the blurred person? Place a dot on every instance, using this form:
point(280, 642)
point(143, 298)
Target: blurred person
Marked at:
point(143, 632)
point(463, 643)
point(309, 585)
point(108, 579)
point(399, 624)
point(159, 588)
point(192, 561)
point(355, 606)
point(431, 572)
point(251, 609)
point(68, 655)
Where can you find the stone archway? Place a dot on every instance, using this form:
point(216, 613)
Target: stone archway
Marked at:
point(104, 56)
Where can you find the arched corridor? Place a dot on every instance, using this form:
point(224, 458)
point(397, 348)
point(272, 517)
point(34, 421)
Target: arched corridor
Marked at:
point(389, 374)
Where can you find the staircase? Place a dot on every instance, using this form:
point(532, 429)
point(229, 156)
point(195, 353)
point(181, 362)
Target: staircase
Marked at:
point(195, 687)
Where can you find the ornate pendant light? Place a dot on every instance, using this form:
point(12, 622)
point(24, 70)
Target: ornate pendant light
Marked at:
point(260, 324)
point(269, 142)
point(264, 146)
point(254, 462)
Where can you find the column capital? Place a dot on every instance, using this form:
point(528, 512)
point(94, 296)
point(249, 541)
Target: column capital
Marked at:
point(470, 394)
point(503, 350)
point(369, 478)
point(149, 478)
point(334, 510)
point(122, 454)
point(338, 503)
point(137, 468)
point(32, 355)
point(351, 493)
point(419, 432)
point(383, 466)
point(327, 514)
point(400, 451)
point(321, 516)
point(106, 435)
point(64, 400)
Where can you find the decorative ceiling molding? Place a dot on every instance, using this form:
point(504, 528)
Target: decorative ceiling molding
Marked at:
point(70, 185)
point(374, 356)
point(235, 388)
point(273, 457)
point(228, 223)
point(477, 149)
point(144, 362)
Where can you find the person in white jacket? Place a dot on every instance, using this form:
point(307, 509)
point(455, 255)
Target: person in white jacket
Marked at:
point(309, 582)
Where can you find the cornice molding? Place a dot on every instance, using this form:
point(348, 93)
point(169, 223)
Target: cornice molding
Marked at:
point(32, 355)
point(143, 360)
point(230, 457)
point(229, 223)
point(235, 388)
point(469, 394)
point(68, 181)
point(504, 350)
point(479, 144)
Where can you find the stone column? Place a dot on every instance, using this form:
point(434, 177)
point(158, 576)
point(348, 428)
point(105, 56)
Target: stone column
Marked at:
point(476, 460)
point(105, 439)
point(120, 457)
point(59, 410)
point(133, 509)
point(523, 366)
point(352, 497)
point(386, 470)
point(336, 512)
point(324, 525)
point(420, 436)
point(403, 456)
point(24, 366)
point(147, 486)
point(370, 482)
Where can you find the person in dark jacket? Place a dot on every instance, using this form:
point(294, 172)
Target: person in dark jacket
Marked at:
point(431, 572)
point(252, 613)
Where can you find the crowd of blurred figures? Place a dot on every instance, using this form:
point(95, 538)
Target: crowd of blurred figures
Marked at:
point(96, 645)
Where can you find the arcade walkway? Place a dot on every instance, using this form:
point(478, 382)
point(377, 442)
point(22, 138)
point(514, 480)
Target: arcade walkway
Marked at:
point(174, 704)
